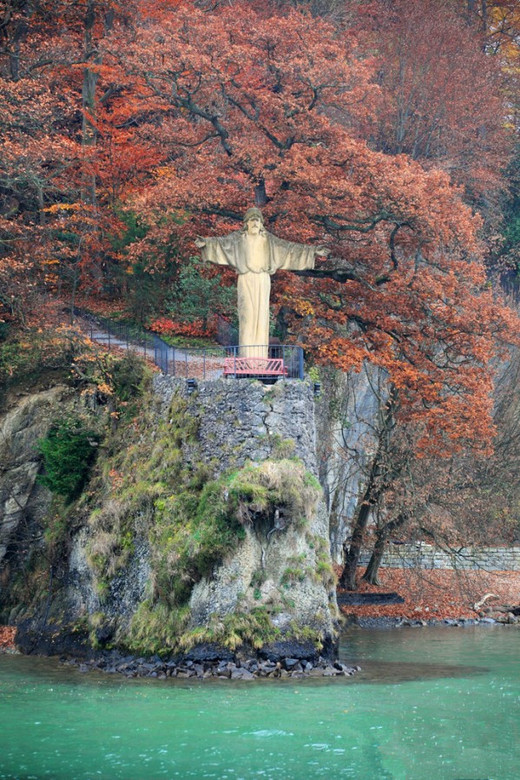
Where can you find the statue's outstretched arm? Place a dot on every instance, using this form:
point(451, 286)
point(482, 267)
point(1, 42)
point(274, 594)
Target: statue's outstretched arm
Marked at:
point(222, 250)
point(319, 249)
point(292, 256)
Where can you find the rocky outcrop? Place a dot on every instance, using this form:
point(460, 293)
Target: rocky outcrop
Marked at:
point(268, 588)
point(283, 563)
point(23, 502)
point(347, 414)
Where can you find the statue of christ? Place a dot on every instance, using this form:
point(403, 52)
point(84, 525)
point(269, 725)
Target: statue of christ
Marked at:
point(255, 255)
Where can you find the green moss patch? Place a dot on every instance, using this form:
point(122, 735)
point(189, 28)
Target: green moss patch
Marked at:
point(192, 532)
point(282, 490)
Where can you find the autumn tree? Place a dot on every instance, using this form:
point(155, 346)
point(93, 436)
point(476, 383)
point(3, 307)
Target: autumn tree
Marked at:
point(62, 170)
point(442, 99)
point(251, 111)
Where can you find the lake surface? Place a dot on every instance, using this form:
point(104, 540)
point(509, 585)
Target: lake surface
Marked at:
point(432, 703)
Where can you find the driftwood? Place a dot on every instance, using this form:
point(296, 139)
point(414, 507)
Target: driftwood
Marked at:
point(502, 613)
point(478, 606)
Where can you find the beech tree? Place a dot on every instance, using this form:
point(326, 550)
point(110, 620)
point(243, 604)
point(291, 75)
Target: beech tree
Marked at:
point(59, 179)
point(247, 110)
point(442, 101)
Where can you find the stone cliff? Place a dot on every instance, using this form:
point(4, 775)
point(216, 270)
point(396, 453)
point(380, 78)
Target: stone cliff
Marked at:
point(346, 423)
point(23, 502)
point(203, 525)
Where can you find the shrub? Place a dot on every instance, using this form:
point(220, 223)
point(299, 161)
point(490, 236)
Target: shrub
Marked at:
point(128, 375)
point(199, 294)
point(68, 452)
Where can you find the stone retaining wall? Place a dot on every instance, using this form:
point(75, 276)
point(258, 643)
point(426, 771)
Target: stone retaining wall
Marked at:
point(426, 556)
point(243, 420)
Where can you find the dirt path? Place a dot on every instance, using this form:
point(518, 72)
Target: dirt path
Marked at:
point(182, 362)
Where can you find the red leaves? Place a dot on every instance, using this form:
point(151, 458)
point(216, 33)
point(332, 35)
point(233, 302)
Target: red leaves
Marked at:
point(7, 634)
point(441, 103)
point(194, 329)
point(436, 594)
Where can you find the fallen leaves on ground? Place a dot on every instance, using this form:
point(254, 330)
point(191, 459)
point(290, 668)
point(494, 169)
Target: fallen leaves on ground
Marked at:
point(7, 638)
point(437, 593)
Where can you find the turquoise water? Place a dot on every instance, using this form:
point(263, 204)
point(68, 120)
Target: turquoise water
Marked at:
point(430, 703)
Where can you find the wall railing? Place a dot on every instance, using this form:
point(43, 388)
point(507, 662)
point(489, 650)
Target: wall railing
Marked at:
point(269, 363)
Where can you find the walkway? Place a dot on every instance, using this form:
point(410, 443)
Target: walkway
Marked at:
point(187, 363)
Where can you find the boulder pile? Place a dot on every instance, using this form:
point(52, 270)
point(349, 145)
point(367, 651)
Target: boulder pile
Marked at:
point(237, 669)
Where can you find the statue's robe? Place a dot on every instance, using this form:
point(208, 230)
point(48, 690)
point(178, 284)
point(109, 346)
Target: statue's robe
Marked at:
point(255, 258)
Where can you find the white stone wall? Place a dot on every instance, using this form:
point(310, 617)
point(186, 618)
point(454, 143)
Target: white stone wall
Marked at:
point(425, 556)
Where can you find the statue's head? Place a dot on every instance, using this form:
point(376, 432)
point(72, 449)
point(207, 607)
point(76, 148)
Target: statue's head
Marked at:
point(253, 221)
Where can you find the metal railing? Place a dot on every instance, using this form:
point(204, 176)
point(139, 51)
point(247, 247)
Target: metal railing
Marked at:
point(267, 363)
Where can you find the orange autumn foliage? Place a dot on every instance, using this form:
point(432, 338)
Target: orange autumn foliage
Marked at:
point(169, 327)
point(247, 111)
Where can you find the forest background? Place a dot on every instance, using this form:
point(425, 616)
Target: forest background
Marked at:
point(386, 130)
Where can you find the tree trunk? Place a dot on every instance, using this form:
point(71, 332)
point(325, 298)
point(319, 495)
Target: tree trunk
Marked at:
point(13, 47)
point(352, 551)
point(382, 535)
point(261, 198)
point(484, 13)
point(373, 491)
point(374, 563)
point(88, 94)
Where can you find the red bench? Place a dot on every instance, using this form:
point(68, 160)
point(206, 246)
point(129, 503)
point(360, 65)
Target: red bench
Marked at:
point(251, 366)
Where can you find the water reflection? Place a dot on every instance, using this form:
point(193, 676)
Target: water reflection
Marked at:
point(393, 672)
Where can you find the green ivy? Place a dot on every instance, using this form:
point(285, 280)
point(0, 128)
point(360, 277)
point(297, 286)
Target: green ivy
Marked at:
point(68, 453)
